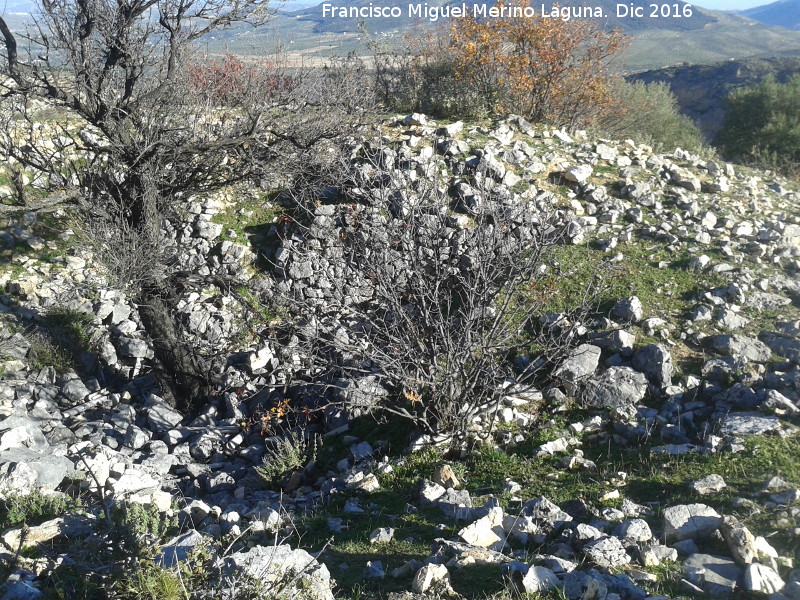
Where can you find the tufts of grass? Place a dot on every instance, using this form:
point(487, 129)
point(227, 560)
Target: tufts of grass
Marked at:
point(64, 335)
point(265, 313)
point(73, 582)
point(72, 324)
point(150, 582)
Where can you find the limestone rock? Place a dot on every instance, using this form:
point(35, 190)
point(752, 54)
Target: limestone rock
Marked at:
point(628, 310)
point(584, 586)
point(763, 579)
point(133, 480)
point(429, 492)
point(690, 521)
point(578, 173)
point(740, 346)
point(432, 579)
point(710, 484)
point(486, 532)
point(539, 580)
point(615, 387)
point(373, 570)
point(607, 551)
point(72, 526)
point(545, 513)
point(717, 575)
point(381, 535)
point(634, 530)
point(361, 451)
point(741, 542)
point(456, 504)
point(581, 363)
point(274, 565)
point(444, 476)
point(749, 423)
point(655, 361)
point(177, 549)
point(19, 586)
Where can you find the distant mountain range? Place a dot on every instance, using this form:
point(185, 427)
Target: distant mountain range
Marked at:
point(705, 37)
point(783, 13)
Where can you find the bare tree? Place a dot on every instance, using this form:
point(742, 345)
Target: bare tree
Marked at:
point(137, 136)
point(429, 299)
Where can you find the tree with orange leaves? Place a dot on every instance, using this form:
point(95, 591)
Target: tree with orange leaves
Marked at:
point(546, 69)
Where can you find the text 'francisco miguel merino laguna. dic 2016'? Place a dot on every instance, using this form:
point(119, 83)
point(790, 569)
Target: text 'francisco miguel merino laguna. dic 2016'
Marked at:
point(422, 10)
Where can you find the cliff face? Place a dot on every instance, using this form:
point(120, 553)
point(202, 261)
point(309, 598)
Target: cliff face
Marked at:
point(701, 89)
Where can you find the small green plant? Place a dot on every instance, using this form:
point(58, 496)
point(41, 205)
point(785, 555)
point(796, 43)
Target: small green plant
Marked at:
point(45, 352)
point(71, 323)
point(264, 312)
point(290, 453)
point(143, 523)
point(73, 582)
point(34, 508)
point(151, 582)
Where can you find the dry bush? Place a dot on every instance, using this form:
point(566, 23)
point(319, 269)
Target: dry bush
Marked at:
point(545, 69)
point(431, 300)
point(420, 75)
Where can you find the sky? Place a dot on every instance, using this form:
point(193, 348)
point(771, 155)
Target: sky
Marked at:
point(730, 4)
point(712, 4)
point(15, 5)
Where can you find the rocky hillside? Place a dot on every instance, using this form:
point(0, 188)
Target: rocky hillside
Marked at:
point(660, 459)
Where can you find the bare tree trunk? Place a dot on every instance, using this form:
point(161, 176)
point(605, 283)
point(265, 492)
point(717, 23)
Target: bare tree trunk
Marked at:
point(181, 374)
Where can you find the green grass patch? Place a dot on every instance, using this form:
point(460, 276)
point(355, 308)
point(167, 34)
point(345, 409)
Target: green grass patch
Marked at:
point(265, 312)
point(670, 290)
point(73, 582)
point(247, 218)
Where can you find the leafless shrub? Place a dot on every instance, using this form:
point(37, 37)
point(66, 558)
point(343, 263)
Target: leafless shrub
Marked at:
point(432, 299)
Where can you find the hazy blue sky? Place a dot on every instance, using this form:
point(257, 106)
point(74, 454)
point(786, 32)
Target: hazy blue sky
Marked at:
point(25, 5)
point(712, 4)
point(730, 4)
